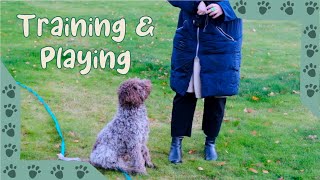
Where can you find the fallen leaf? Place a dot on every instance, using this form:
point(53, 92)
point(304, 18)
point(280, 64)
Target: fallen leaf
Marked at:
point(265, 171)
point(71, 133)
point(192, 151)
point(255, 98)
point(76, 141)
point(271, 94)
point(302, 170)
point(200, 168)
point(280, 178)
point(265, 88)
point(286, 114)
point(231, 131)
point(253, 170)
point(312, 137)
point(222, 163)
point(270, 110)
point(57, 145)
point(254, 133)
point(295, 92)
point(226, 120)
point(248, 110)
point(269, 161)
point(277, 142)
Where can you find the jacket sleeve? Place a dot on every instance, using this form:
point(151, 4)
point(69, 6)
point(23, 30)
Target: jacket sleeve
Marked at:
point(188, 6)
point(228, 12)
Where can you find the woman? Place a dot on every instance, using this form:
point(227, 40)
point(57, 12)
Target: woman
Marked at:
point(205, 64)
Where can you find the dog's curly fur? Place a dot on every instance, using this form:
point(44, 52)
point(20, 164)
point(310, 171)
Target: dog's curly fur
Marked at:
point(122, 143)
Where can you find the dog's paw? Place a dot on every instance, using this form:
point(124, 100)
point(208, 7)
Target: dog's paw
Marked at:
point(140, 171)
point(151, 165)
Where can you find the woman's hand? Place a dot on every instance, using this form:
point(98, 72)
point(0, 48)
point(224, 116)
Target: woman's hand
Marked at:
point(202, 8)
point(217, 10)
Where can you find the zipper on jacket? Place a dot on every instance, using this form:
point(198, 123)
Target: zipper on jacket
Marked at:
point(197, 42)
point(224, 33)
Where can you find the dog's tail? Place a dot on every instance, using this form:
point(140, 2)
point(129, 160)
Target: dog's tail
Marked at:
point(61, 157)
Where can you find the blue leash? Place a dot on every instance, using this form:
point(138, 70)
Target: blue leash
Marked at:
point(63, 146)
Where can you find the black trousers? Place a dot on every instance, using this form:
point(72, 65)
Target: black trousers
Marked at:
point(183, 111)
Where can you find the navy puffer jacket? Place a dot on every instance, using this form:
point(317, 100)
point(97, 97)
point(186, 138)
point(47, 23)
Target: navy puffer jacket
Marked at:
point(219, 50)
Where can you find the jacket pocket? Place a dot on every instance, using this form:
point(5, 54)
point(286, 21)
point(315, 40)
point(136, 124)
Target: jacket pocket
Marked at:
point(223, 33)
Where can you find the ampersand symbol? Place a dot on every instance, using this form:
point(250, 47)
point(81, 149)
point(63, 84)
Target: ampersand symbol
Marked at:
point(142, 24)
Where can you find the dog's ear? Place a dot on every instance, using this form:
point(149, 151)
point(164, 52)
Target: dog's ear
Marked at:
point(147, 86)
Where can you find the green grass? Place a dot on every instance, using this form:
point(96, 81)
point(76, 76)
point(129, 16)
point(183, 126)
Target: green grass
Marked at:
point(274, 137)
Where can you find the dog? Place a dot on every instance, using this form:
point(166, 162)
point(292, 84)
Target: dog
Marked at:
point(122, 143)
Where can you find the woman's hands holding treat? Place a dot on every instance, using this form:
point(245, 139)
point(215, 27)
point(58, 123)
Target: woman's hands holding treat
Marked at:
point(214, 10)
point(202, 8)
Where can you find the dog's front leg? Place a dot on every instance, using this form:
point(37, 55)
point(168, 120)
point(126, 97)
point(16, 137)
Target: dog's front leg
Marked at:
point(138, 161)
point(147, 157)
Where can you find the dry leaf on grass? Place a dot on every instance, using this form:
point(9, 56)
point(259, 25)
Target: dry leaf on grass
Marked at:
point(200, 168)
point(313, 137)
point(253, 170)
point(271, 94)
point(253, 133)
point(71, 133)
point(255, 98)
point(192, 151)
point(265, 171)
point(76, 141)
point(222, 163)
point(248, 110)
point(269, 161)
point(295, 92)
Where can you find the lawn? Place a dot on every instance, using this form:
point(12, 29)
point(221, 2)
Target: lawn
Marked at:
point(266, 131)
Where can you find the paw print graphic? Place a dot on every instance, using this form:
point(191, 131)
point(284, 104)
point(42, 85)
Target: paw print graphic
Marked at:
point(310, 70)
point(311, 90)
point(311, 50)
point(311, 31)
point(240, 6)
point(81, 171)
point(10, 171)
point(33, 171)
point(9, 129)
point(57, 171)
point(10, 149)
point(287, 7)
point(311, 7)
point(10, 109)
point(263, 7)
point(9, 91)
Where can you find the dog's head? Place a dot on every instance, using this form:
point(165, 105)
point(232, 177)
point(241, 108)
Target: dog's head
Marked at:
point(133, 92)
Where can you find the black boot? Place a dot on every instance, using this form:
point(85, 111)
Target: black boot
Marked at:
point(175, 155)
point(209, 150)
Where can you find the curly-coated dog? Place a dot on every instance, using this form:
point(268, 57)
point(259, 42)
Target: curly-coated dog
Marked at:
point(122, 143)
